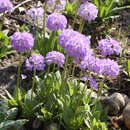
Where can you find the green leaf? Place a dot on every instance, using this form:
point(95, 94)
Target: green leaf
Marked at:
point(12, 124)
point(12, 113)
point(128, 67)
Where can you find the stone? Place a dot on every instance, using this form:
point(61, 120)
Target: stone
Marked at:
point(126, 115)
point(114, 103)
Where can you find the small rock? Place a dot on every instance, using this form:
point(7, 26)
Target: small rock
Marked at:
point(126, 115)
point(52, 126)
point(114, 103)
point(36, 124)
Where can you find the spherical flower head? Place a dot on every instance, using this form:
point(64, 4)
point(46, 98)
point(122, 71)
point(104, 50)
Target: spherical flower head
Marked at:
point(35, 62)
point(55, 57)
point(66, 35)
point(56, 22)
point(109, 47)
point(57, 4)
point(77, 48)
point(6, 5)
point(101, 66)
point(22, 41)
point(36, 13)
point(110, 68)
point(88, 11)
point(92, 63)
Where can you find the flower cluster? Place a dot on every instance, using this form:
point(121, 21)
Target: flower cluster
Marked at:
point(92, 82)
point(22, 41)
point(57, 4)
point(55, 57)
point(109, 46)
point(101, 66)
point(35, 62)
point(88, 11)
point(56, 22)
point(77, 48)
point(6, 5)
point(36, 13)
point(75, 44)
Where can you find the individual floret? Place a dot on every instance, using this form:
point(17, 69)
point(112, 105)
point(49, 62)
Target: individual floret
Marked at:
point(22, 41)
point(35, 62)
point(55, 57)
point(56, 22)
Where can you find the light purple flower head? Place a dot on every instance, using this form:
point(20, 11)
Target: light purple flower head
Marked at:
point(78, 48)
point(109, 47)
point(88, 11)
point(101, 66)
point(57, 4)
point(56, 22)
point(22, 41)
point(35, 62)
point(6, 5)
point(55, 57)
point(110, 68)
point(36, 13)
point(68, 34)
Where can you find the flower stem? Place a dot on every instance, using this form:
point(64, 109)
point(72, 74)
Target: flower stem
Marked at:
point(53, 41)
point(44, 21)
point(33, 83)
point(82, 21)
point(75, 16)
point(18, 75)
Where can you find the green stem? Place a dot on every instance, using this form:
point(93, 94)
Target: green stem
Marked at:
point(73, 71)
point(19, 72)
point(65, 68)
point(33, 84)
point(53, 68)
point(44, 21)
point(53, 41)
point(75, 16)
point(82, 21)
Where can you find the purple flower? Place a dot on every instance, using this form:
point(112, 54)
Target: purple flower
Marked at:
point(100, 66)
point(22, 41)
point(110, 68)
point(56, 21)
point(36, 13)
point(6, 5)
point(55, 57)
point(57, 4)
point(78, 48)
point(93, 83)
point(88, 11)
point(109, 47)
point(23, 76)
point(91, 80)
point(35, 62)
point(66, 35)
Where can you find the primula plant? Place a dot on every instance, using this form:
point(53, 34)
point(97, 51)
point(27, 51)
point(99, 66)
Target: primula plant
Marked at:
point(54, 54)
